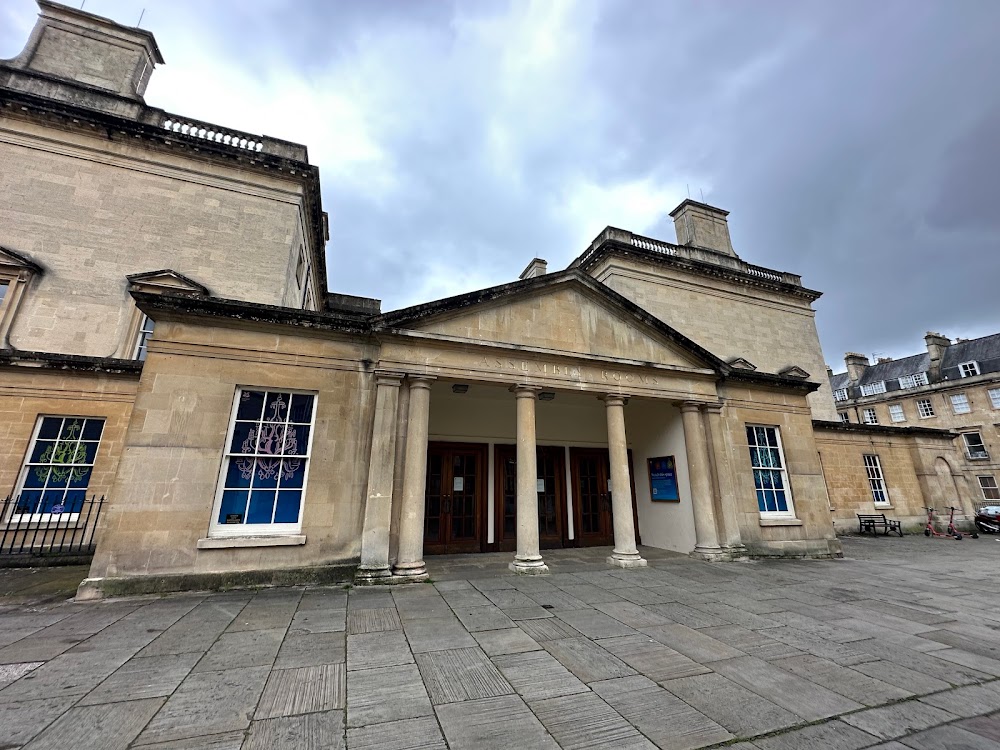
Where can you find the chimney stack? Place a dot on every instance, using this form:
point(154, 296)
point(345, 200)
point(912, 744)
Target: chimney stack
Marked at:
point(936, 347)
point(700, 225)
point(856, 365)
point(537, 267)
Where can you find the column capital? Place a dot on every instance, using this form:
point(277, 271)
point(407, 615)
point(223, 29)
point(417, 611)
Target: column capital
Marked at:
point(614, 399)
point(421, 381)
point(690, 406)
point(389, 378)
point(714, 408)
point(523, 390)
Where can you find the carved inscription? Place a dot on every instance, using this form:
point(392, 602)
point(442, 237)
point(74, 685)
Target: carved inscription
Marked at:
point(574, 372)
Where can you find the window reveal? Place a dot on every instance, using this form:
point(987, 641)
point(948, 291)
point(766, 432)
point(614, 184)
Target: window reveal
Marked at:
point(769, 475)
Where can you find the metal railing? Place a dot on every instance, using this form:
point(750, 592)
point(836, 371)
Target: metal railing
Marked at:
point(59, 530)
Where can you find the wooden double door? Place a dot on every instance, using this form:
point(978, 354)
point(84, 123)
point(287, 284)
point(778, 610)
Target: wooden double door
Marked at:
point(455, 498)
point(551, 486)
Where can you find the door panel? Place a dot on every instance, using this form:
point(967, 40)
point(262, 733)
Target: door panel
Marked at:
point(455, 498)
point(551, 498)
point(591, 500)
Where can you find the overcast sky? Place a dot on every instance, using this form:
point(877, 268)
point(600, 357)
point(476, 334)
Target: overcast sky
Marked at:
point(856, 143)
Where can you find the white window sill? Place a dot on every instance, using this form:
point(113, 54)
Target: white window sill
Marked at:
point(231, 542)
point(780, 522)
point(883, 507)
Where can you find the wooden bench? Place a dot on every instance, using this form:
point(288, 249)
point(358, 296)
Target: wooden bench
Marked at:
point(872, 521)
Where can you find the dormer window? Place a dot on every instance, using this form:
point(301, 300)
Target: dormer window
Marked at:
point(871, 389)
point(968, 369)
point(912, 381)
point(840, 394)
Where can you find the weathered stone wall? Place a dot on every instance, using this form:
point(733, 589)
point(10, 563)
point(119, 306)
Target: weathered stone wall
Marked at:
point(92, 210)
point(811, 532)
point(729, 319)
point(27, 393)
point(164, 494)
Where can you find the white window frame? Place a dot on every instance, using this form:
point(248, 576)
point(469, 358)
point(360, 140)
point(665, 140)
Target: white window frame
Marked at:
point(783, 469)
point(969, 449)
point(869, 416)
point(27, 464)
point(143, 334)
point(876, 480)
point(897, 413)
point(960, 403)
point(972, 366)
point(925, 409)
point(994, 394)
point(873, 389)
point(844, 416)
point(840, 394)
point(995, 490)
point(913, 381)
point(301, 267)
point(223, 530)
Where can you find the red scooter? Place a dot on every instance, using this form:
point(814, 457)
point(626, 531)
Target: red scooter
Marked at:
point(952, 531)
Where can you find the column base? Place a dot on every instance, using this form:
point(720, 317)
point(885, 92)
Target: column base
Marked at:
point(533, 566)
point(710, 554)
point(735, 552)
point(626, 560)
point(409, 572)
point(372, 576)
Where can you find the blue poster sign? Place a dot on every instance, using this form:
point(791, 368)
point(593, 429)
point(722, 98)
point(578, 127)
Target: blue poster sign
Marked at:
point(663, 479)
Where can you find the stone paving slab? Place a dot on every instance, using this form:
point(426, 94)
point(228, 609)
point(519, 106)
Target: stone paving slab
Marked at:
point(770, 655)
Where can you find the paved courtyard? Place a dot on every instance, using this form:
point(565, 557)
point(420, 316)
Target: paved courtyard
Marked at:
point(896, 647)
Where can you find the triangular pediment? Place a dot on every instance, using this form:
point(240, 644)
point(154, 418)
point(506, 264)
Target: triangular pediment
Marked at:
point(566, 313)
point(742, 364)
point(794, 371)
point(166, 280)
point(11, 260)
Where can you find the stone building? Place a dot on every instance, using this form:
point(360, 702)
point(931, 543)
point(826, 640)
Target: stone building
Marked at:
point(952, 386)
point(169, 342)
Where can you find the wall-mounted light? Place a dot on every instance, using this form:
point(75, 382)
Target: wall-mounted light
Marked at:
point(546, 396)
point(460, 388)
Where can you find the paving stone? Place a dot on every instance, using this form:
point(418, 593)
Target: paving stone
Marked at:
point(208, 703)
point(322, 597)
point(302, 691)
point(511, 641)
point(461, 674)
point(949, 738)
point(870, 629)
point(23, 720)
point(480, 618)
point(323, 731)
point(653, 659)
point(318, 621)
point(819, 629)
point(984, 726)
point(965, 666)
point(586, 721)
point(249, 648)
point(587, 660)
point(557, 599)
point(437, 634)
point(915, 614)
point(268, 610)
point(951, 665)
point(752, 643)
point(633, 615)
point(594, 624)
point(968, 701)
point(640, 595)
point(467, 597)
point(693, 618)
point(386, 694)
point(548, 630)
point(492, 584)
point(152, 677)
point(370, 650)
point(60, 637)
point(312, 650)
point(499, 723)
point(408, 734)
point(510, 599)
point(372, 620)
point(67, 674)
point(890, 722)
point(536, 612)
point(662, 717)
point(107, 727)
point(694, 644)
point(841, 653)
point(739, 617)
point(832, 735)
point(537, 674)
point(198, 630)
point(370, 598)
point(846, 681)
point(224, 741)
point(589, 594)
point(741, 711)
point(978, 646)
point(11, 672)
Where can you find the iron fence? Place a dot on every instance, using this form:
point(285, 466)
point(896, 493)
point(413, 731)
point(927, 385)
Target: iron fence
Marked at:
point(58, 530)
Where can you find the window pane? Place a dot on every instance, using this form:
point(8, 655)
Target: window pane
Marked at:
point(239, 473)
point(301, 411)
point(265, 473)
point(4, 286)
point(287, 510)
point(293, 472)
point(49, 429)
point(995, 397)
point(234, 503)
point(296, 440)
point(250, 405)
point(261, 506)
point(276, 407)
point(244, 438)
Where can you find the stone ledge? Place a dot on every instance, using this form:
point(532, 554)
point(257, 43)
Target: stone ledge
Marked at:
point(780, 522)
point(320, 575)
point(231, 542)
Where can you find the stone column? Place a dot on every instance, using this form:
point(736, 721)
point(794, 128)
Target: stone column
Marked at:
point(410, 562)
point(374, 565)
point(528, 559)
point(696, 443)
point(625, 554)
point(725, 497)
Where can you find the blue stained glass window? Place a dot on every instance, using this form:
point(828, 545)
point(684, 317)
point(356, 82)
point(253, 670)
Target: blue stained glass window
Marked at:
point(768, 469)
point(60, 463)
point(260, 487)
